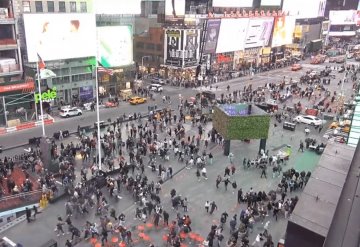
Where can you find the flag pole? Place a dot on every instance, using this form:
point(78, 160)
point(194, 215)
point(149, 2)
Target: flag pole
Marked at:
point(40, 99)
point(97, 104)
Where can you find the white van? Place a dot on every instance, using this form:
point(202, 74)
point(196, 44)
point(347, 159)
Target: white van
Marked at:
point(156, 88)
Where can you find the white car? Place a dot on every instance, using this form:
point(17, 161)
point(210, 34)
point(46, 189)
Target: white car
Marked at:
point(70, 112)
point(156, 88)
point(308, 119)
point(157, 80)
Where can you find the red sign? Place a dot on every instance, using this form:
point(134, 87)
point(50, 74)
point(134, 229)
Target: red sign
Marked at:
point(27, 86)
point(223, 59)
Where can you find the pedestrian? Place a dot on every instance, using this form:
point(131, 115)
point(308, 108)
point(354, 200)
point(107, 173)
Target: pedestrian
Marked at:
point(239, 196)
point(207, 206)
point(185, 204)
point(218, 181)
point(198, 174)
point(210, 158)
point(203, 173)
point(59, 227)
point(263, 171)
point(320, 128)
point(234, 185)
point(213, 206)
point(233, 169)
point(301, 147)
point(166, 218)
point(104, 236)
point(28, 214)
point(35, 211)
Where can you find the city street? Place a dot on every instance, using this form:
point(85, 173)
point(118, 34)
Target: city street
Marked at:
point(185, 181)
point(89, 118)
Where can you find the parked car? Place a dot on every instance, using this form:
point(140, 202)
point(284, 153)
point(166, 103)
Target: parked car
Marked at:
point(308, 119)
point(70, 112)
point(296, 67)
point(340, 59)
point(137, 100)
point(155, 88)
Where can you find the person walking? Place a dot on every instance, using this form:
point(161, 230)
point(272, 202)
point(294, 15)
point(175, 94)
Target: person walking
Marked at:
point(218, 181)
point(166, 218)
point(185, 204)
point(213, 206)
point(28, 214)
point(207, 206)
point(203, 173)
point(59, 227)
point(104, 236)
point(35, 211)
point(263, 171)
point(301, 147)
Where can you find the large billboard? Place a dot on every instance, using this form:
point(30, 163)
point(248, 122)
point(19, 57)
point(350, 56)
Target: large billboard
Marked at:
point(119, 7)
point(174, 9)
point(270, 2)
point(259, 32)
point(173, 47)
point(283, 31)
point(115, 46)
point(232, 35)
point(305, 8)
point(191, 47)
point(233, 3)
point(60, 36)
point(342, 17)
point(212, 34)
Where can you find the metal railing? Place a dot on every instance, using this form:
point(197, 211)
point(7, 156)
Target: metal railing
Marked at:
point(18, 200)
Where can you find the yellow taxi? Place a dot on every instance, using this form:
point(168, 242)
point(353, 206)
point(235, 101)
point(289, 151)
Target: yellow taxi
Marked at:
point(137, 100)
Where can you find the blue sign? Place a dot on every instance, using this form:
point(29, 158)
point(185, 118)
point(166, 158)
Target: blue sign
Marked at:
point(86, 93)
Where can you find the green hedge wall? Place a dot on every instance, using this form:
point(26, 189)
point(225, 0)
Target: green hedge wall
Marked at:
point(241, 127)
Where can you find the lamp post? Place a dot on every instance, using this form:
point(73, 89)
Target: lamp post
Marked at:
point(98, 113)
point(40, 99)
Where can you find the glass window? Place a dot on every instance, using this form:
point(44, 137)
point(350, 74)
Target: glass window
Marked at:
point(38, 6)
point(26, 6)
point(50, 6)
point(155, 7)
point(83, 7)
point(72, 6)
point(62, 7)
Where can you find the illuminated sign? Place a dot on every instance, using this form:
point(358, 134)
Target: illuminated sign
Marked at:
point(47, 96)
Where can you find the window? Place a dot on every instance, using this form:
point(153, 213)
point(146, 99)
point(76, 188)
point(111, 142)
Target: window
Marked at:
point(139, 45)
point(26, 6)
point(62, 6)
point(38, 6)
point(50, 5)
point(72, 6)
point(83, 7)
point(155, 8)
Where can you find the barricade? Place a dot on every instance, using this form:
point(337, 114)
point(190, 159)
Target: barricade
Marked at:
point(25, 126)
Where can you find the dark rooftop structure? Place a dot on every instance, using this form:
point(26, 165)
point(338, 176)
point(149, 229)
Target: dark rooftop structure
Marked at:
point(327, 213)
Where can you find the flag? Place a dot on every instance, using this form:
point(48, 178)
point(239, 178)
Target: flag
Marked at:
point(44, 72)
point(107, 71)
point(41, 63)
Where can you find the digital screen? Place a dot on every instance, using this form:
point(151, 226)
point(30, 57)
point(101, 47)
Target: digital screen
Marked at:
point(174, 8)
point(270, 2)
point(117, 7)
point(212, 34)
point(115, 46)
point(233, 3)
point(283, 31)
point(305, 8)
point(232, 35)
point(259, 32)
point(59, 36)
point(342, 17)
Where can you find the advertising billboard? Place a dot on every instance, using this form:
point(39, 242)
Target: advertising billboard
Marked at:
point(305, 8)
point(259, 32)
point(174, 9)
point(270, 2)
point(283, 31)
point(212, 34)
point(191, 47)
point(232, 35)
point(86, 93)
point(115, 46)
point(342, 17)
point(173, 47)
point(119, 7)
point(233, 3)
point(59, 36)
